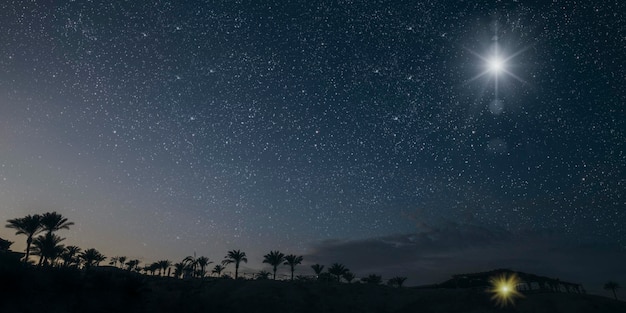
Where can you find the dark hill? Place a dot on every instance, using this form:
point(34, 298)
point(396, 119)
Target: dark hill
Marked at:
point(57, 290)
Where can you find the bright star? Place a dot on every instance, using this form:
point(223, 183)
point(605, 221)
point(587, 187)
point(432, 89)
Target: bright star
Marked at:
point(504, 289)
point(495, 65)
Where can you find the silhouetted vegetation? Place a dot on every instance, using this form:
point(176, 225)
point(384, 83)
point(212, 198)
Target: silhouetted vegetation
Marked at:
point(202, 262)
point(372, 279)
point(30, 225)
point(70, 256)
point(5, 245)
point(263, 275)
point(338, 270)
point(274, 258)
point(235, 256)
point(292, 261)
point(91, 257)
point(348, 277)
point(396, 281)
point(217, 270)
point(318, 269)
point(70, 279)
point(611, 285)
point(48, 247)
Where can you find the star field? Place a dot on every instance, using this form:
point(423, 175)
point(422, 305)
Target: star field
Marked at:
point(163, 128)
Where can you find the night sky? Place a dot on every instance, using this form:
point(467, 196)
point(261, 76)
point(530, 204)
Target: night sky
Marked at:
point(371, 133)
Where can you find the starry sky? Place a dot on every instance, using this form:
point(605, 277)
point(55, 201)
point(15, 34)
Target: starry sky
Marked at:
point(331, 129)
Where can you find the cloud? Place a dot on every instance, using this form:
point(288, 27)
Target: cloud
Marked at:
point(434, 255)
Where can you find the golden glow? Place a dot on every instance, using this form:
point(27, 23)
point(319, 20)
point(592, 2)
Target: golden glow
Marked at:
point(503, 289)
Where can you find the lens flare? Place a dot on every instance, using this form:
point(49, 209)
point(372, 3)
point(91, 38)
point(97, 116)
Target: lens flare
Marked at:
point(495, 65)
point(504, 289)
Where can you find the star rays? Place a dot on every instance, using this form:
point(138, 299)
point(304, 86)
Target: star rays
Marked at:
point(496, 66)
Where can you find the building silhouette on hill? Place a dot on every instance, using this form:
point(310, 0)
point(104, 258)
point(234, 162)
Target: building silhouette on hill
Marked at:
point(528, 283)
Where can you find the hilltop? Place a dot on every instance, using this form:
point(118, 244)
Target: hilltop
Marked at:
point(29, 289)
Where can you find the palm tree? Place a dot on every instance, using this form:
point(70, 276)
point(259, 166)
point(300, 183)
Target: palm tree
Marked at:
point(218, 270)
point(122, 260)
point(338, 270)
point(164, 265)
point(274, 258)
point(132, 264)
point(48, 248)
point(5, 245)
point(235, 256)
point(92, 257)
point(372, 279)
point(263, 275)
point(30, 225)
point(348, 276)
point(178, 269)
point(202, 263)
point(611, 285)
point(292, 261)
point(54, 221)
point(69, 255)
point(190, 265)
point(397, 281)
point(113, 261)
point(317, 269)
point(152, 268)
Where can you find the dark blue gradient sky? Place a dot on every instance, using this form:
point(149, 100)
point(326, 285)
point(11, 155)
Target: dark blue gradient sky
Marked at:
point(162, 128)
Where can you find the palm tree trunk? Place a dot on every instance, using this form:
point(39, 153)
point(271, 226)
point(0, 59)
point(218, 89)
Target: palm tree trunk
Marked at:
point(292, 273)
point(236, 270)
point(614, 294)
point(28, 242)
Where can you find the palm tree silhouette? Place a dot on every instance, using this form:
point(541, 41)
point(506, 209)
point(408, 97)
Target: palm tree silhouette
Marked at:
point(317, 269)
point(122, 260)
point(292, 261)
point(274, 258)
point(152, 268)
point(611, 285)
point(69, 255)
point(202, 263)
point(132, 264)
point(113, 261)
point(372, 279)
point(348, 276)
point(338, 270)
point(54, 221)
point(164, 265)
point(5, 245)
point(92, 257)
point(179, 269)
point(48, 248)
point(30, 225)
point(218, 270)
point(190, 265)
point(397, 281)
point(235, 256)
point(263, 275)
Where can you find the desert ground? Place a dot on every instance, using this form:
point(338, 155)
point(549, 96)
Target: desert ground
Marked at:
point(30, 289)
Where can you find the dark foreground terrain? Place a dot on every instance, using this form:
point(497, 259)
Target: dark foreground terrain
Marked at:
point(28, 289)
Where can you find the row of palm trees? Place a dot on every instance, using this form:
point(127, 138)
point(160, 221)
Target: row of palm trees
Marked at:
point(42, 240)
point(338, 272)
point(48, 244)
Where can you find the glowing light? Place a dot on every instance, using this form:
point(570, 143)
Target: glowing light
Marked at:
point(503, 289)
point(495, 65)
